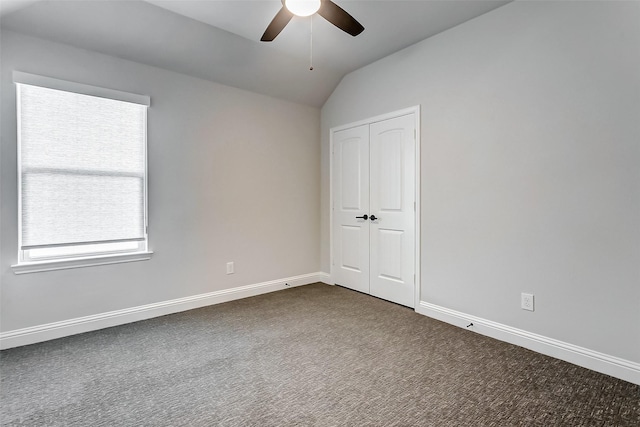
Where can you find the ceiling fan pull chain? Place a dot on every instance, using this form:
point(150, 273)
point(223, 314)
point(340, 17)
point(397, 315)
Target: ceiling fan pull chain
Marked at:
point(311, 44)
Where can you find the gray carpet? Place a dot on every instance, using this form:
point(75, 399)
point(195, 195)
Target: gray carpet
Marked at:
point(315, 355)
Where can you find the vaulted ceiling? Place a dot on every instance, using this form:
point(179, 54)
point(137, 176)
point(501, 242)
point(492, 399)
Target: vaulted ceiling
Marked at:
point(219, 40)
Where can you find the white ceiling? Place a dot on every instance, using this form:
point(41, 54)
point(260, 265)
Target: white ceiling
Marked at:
point(219, 40)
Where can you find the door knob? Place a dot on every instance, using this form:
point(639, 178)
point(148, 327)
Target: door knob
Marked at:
point(373, 217)
point(365, 217)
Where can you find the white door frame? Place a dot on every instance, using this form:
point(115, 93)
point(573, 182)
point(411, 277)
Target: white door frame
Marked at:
point(416, 111)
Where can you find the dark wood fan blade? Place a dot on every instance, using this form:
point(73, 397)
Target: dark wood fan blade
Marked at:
point(340, 18)
point(277, 24)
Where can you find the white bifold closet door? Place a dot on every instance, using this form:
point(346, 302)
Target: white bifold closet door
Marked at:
point(374, 209)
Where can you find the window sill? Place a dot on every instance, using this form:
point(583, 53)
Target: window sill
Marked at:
point(36, 267)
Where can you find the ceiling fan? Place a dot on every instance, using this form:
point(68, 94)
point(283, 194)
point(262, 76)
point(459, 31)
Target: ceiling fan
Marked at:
point(325, 8)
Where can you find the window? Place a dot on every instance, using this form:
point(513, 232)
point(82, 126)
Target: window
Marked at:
point(81, 173)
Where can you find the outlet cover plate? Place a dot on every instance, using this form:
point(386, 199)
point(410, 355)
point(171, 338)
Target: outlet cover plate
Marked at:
point(526, 301)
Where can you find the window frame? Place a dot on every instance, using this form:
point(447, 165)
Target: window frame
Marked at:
point(101, 252)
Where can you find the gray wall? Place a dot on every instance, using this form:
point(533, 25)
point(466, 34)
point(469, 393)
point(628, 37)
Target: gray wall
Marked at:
point(530, 166)
point(233, 176)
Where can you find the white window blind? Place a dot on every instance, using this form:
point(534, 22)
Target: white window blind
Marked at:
point(82, 161)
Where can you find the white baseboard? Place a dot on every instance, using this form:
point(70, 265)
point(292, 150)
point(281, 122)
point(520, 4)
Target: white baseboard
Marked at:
point(590, 359)
point(325, 278)
point(79, 325)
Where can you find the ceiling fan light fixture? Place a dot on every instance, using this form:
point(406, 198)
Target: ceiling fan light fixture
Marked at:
point(303, 7)
point(325, 8)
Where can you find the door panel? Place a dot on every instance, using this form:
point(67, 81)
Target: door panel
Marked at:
point(351, 199)
point(351, 153)
point(350, 238)
point(389, 169)
point(390, 254)
point(392, 181)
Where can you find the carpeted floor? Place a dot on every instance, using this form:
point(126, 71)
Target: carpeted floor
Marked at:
point(315, 355)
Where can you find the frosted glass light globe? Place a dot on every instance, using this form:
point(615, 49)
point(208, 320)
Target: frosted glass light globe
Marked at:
point(302, 7)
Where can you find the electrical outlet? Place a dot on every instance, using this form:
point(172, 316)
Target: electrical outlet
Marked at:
point(526, 301)
point(230, 269)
